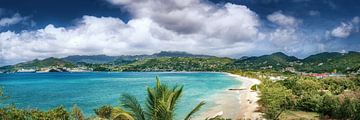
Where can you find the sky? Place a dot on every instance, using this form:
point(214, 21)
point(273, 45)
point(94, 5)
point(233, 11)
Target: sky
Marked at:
point(38, 29)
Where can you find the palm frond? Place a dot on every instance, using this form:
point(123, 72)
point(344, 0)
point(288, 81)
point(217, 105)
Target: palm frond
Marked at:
point(119, 114)
point(177, 92)
point(152, 104)
point(158, 84)
point(162, 100)
point(166, 113)
point(197, 108)
point(131, 103)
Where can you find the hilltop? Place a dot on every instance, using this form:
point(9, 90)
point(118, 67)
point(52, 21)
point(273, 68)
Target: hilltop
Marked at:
point(180, 64)
point(101, 59)
point(331, 61)
point(275, 61)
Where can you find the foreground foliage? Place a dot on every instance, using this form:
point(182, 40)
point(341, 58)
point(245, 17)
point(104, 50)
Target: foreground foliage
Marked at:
point(160, 103)
point(333, 97)
point(59, 113)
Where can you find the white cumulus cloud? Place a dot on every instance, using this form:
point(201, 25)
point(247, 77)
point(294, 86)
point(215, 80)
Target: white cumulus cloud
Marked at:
point(342, 31)
point(229, 22)
point(345, 29)
point(191, 26)
point(195, 26)
point(6, 21)
point(283, 20)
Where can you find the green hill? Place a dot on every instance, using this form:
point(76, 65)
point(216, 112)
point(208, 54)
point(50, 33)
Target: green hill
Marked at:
point(318, 63)
point(96, 59)
point(181, 64)
point(275, 61)
point(181, 61)
point(329, 62)
point(36, 64)
point(123, 59)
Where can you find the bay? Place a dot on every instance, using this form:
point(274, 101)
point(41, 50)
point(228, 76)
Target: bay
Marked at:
point(90, 90)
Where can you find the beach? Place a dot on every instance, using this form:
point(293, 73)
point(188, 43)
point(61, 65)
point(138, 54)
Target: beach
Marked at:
point(240, 103)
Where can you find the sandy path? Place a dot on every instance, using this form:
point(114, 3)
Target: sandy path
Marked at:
point(236, 104)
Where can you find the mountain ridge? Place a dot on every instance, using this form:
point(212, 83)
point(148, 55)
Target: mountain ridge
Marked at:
point(165, 60)
point(101, 59)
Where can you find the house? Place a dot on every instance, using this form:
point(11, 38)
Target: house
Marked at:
point(318, 75)
point(336, 75)
point(290, 69)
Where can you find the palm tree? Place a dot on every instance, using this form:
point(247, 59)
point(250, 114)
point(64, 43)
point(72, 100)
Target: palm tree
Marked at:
point(160, 105)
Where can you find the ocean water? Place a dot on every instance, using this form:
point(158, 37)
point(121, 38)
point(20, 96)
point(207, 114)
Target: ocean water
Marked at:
point(93, 89)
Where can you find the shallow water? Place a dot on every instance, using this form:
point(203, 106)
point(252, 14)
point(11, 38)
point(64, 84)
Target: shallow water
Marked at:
point(93, 89)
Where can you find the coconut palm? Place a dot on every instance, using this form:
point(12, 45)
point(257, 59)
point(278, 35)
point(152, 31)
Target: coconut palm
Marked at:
point(119, 114)
point(160, 104)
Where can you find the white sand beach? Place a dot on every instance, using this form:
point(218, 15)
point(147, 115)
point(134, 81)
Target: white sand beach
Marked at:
point(236, 104)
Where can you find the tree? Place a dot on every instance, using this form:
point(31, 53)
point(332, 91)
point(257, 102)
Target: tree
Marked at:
point(275, 99)
point(77, 114)
point(59, 113)
point(329, 105)
point(104, 111)
point(347, 109)
point(310, 102)
point(160, 104)
point(120, 114)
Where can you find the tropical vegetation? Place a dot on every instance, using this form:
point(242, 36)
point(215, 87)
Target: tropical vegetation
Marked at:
point(331, 98)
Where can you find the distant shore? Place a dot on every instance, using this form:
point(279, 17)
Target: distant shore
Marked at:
point(236, 104)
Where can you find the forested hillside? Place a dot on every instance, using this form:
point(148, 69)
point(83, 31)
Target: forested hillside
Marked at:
point(181, 61)
point(181, 64)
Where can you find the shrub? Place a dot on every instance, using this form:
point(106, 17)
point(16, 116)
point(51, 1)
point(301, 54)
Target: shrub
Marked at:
point(77, 114)
point(104, 111)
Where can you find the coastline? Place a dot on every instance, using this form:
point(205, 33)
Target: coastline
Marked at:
point(236, 104)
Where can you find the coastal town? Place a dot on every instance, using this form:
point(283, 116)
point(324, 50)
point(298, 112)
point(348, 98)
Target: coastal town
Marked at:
point(55, 69)
point(88, 69)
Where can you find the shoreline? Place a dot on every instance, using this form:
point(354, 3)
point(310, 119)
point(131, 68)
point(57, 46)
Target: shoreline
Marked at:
point(248, 98)
point(236, 104)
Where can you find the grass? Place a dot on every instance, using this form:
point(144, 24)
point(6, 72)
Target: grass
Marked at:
point(299, 115)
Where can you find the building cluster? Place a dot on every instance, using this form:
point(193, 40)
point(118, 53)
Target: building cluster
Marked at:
point(324, 75)
point(54, 69)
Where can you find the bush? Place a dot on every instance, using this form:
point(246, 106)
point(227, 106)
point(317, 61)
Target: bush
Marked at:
point(274, 99)
point(330, 104)
point(59, 113)
point(347, 110)
point(77, 114)
point(217, 118)
point(310, 102)
point(104, 111)
point(13, 113)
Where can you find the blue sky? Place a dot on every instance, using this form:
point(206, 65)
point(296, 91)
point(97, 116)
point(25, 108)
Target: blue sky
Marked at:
point(232, 28)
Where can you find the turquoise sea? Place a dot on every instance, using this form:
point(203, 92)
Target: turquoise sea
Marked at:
point(93, 89)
